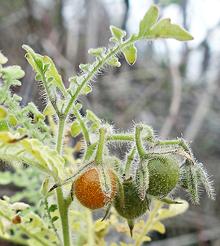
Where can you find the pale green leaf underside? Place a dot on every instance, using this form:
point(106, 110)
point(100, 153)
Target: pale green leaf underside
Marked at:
point(31, 152)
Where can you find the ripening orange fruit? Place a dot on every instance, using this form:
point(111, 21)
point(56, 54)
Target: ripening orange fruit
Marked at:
point(88, 191)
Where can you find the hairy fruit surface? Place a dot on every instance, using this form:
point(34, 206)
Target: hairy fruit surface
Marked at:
point(88, 191)
point(131, 206)
point(164, 172)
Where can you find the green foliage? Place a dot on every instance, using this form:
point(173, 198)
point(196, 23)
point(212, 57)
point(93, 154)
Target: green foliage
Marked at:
point(32, 152)
point(42, 141)
point(75, 129)
point(31, 227)
point(148, 21)
point(117, 34)
point(130, 54)
point(45, 70)
point(150, 28)
point(165, 29)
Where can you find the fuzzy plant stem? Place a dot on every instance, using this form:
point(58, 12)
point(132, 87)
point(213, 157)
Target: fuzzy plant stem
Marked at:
point(62, 204)
point(95, 70)
point(120, 137)
point(99, 153)
point(130, 158)
point(85, 131)
point(179, 142)
point(140, 149)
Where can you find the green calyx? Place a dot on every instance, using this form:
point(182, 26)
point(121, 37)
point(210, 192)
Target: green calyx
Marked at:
point(132, 206)
point(164, 172)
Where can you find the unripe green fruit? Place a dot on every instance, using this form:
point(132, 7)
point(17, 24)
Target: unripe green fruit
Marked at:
point(132, 206)
point(164, 172)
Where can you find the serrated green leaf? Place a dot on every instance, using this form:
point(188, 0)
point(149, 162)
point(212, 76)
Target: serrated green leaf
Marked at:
point(97, 52)
point(130, 54)
point(87, 90)
point(44, 65)
point(45, 187)
point(84, 67)
point(90, 151)
point(165, 29)
point(55, 218)
point(33, 58)
point(3, 112)
point(114, 62)
point(146, 239)
point(3, 125)
point(75, 129)
point(117, 33)
point(52, 72)
point(159, 227)
point(31, 152)
point(49, 110)
point(78, 106)
point(148, 21)
point(92, 117)
point(5, 178)
point(53, 208)
point(12, 73)
point(12, 120)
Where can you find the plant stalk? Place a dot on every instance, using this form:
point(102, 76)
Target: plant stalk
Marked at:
point(62, 205)
point(99, 153)
point(139, 146)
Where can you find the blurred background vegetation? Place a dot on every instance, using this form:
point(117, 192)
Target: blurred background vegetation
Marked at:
point(175, 87)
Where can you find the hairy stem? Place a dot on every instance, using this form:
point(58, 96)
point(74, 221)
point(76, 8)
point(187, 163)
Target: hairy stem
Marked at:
point(99, 153)
point(85, 131)
point(62, 205)
point(120, 137)
point(139, 146)
point(179, 142)
point(94, 71)
point(130, 158)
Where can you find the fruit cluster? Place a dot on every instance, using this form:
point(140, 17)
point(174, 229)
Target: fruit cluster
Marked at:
point(160, 167)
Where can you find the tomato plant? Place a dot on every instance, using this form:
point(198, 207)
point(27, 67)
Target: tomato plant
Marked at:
point(150, 170)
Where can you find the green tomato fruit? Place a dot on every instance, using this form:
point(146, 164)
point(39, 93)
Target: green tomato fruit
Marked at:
point(164, 172)
point(130, 206)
